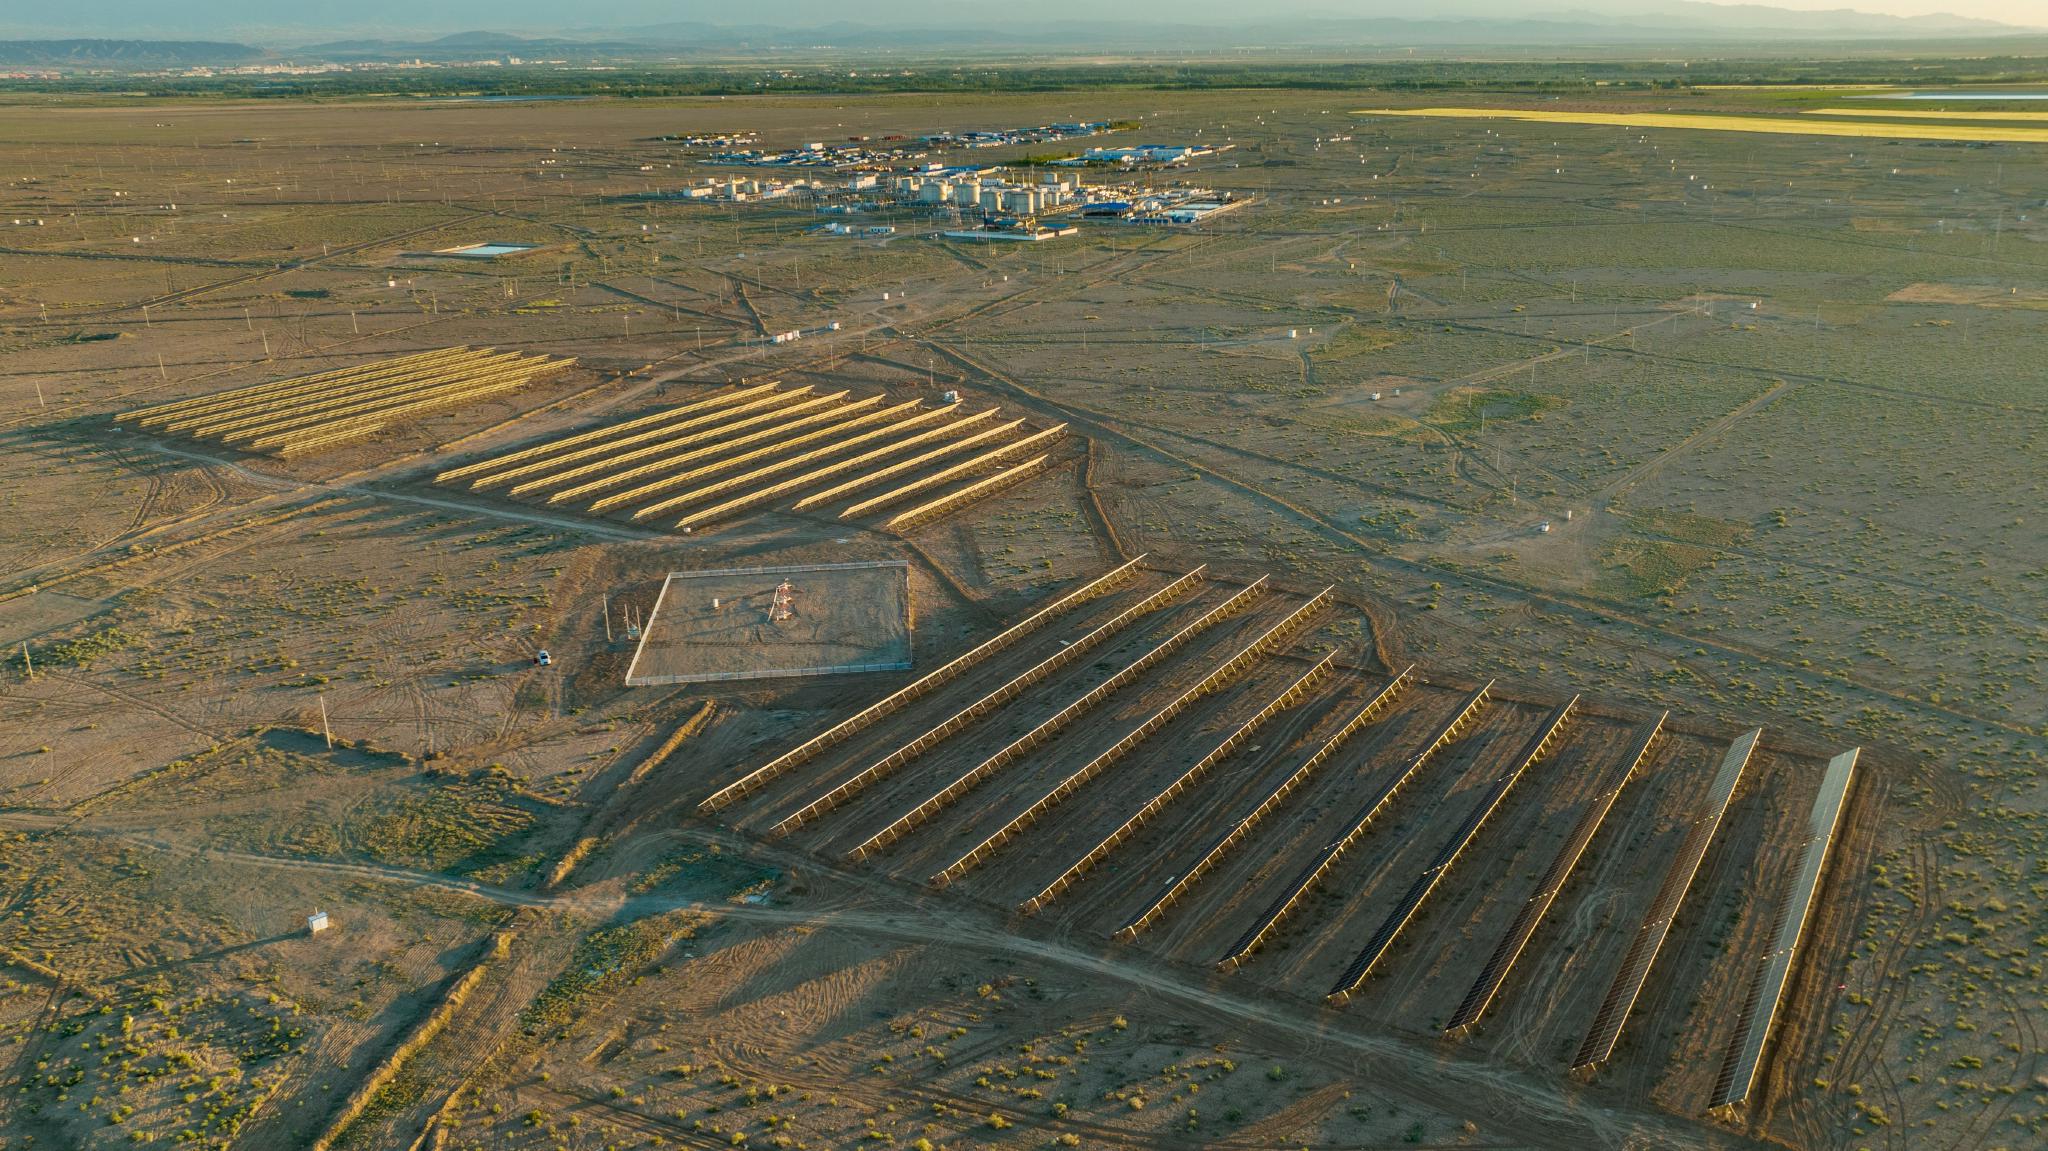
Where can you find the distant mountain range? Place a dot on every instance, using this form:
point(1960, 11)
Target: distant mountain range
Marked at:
point(930, 25)
point(125, 54)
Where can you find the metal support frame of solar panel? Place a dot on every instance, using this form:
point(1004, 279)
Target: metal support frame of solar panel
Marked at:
point(1335, 849)
point(1440, 865)
point(1051, 726)
point(738, 452)
point(1179, 884)
point(1495, 974)
point(1649, 938)
point(1068, 654)
point(1302, 687)
point(916, 689)
point(292, 417)
point(1774, 967)
point(1233, 668)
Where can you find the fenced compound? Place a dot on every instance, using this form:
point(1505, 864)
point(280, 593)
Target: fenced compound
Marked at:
point(960, 720)
point(1418, 892)
point(1243, 826)
point(1269, 921)
point(724, 624)
point(1054, 724)
point(1495, 974)
point(326, 410)
point(1218, 677)
point(1774, 967)
point(902, 697)
point(723, 456)
point(1656, 926)
point(1289, 696)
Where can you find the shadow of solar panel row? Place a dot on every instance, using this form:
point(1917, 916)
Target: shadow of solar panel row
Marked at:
point(1502, 961)
point(1242, 827)
point(1440, 865)
point(1270, 919)
point(1774, 967)
point(1621, 995)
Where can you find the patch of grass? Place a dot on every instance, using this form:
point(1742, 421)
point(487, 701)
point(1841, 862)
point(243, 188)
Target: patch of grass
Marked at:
point(604, 957)
point(1354, 340)
point(1633, 567)
point(1688, 527)
point(1463, 411)
point(1663, 550)
point(461, 825)
point(81, 652)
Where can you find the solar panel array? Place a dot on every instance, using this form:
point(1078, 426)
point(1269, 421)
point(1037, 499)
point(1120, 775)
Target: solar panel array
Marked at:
point(1270, 919)
point(1216, 679)
point(1769, 985)
point(1440, 865)
point(1241, 827)
point(1795, 909)
point(325, 410)
point(746, 448)
point(1052, 725)
point(924, 685)
point(1621, 995)
point(1518, 934)
point(1289, 696)
point(960, 720)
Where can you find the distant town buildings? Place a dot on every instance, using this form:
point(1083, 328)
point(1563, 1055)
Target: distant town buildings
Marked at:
point(863, 151)
point(1160, 154)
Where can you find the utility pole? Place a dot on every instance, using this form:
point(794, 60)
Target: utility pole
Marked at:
point(27, 662)
point(607, 617)
point(325, 731)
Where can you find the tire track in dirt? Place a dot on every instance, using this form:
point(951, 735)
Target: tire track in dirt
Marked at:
point(1549, 1114)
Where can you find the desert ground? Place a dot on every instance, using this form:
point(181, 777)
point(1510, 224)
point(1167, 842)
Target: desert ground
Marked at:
point(1697, 431)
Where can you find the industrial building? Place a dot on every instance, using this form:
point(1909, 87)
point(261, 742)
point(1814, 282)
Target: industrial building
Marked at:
point(1160, 154)
point(1028, 231)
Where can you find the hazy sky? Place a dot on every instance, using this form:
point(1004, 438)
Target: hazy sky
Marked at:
point(2023, 12)
point(259, 19)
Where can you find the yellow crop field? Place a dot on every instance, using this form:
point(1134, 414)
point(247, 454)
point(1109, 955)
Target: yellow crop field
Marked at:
point(1931, 114)
point(1774, 125)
